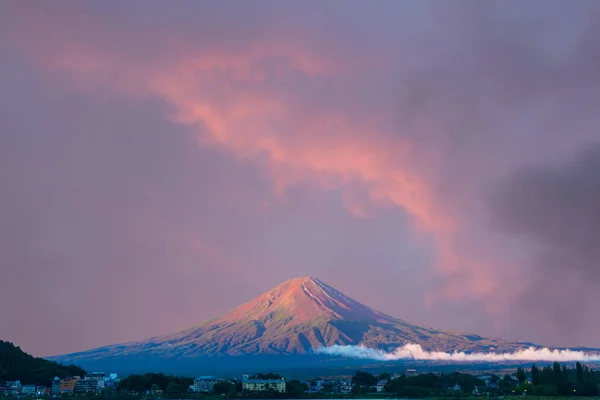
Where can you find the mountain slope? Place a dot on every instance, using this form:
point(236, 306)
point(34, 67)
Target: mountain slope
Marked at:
point(296, 317)
point(15, 364)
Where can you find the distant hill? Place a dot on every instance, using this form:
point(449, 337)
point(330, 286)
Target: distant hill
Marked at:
point(295, 318)
point(15, 364)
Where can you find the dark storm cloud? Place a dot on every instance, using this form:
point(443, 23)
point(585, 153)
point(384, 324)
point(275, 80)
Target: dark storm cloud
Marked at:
point(557, 207)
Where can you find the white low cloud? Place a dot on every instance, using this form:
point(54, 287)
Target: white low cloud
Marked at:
point(416, 352)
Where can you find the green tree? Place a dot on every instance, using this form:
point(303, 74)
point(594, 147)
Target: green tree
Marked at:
point(506, 384)
point(579, 369)
point(535, 375)
point(394, 385)
point(587, 388)
point(557, 377)
point(328, 388)
point(143, 383)
point(154, 387)
point(224, 387)
point(565, 373)
point(296, 388)
point(361, 378)
point(588, 373)
point(175, 389)
point(384, 376)
point(521, 377)
point(544, 390)
point(414, 392)
point(15, 364)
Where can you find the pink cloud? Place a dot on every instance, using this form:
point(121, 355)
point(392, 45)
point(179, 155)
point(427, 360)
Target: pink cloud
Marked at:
point(251, 101)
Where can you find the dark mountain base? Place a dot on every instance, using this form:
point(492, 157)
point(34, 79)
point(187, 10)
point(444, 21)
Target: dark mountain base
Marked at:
point(289, 366)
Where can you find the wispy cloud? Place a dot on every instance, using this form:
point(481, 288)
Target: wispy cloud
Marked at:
point(416, 352)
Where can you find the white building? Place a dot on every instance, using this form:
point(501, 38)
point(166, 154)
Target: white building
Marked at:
point(28, 389)
point(345, 387)
point(205, 383)
point(262, 385)
point(381, 385)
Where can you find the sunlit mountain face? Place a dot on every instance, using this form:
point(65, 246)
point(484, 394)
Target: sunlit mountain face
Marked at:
point(297, 317)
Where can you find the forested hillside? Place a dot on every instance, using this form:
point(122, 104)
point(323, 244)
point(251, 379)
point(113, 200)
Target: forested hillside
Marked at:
point(15, 364)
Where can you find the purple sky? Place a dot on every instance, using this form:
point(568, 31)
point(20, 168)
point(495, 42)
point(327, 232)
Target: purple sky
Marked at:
point(163, 162)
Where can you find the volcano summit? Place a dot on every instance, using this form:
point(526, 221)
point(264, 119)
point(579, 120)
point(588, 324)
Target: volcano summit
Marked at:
point(297, 317)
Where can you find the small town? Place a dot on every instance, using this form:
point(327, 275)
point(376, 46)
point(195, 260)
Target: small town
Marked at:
point(99, 382)
point(408, 384)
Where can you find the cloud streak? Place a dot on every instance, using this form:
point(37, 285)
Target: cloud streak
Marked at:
point(416, 352)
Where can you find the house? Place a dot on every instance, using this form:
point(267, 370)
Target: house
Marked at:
point(456, 387)
point(15, 387)
point(86, 385)
point(315, 387)
point(56, 385)
point(205, 383)
point(92, 382)
point(262, 385)
point(6, 388)
point(111, 380)
point(67, 385)
point(329, 385)
point(312, 389)
point(345, 387)
point(99, 377)
point(28, 389)
point(381, 385)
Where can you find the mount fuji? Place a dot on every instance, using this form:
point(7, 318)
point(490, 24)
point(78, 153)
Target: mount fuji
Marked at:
point(295, 318)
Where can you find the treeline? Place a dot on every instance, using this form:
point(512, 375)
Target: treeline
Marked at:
point(556, 380)
point(431, 384)
point(423, 385)
point(15, 364)
point(170, 385)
